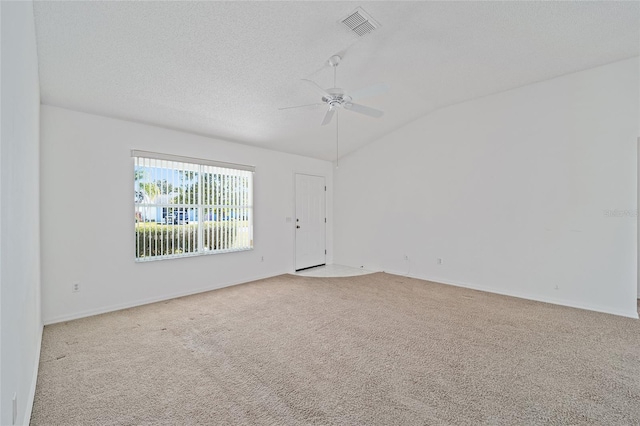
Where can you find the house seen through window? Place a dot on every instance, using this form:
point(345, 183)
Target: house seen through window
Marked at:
point(187, 207)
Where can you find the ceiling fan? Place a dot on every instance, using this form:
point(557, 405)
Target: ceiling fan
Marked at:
point(336, 98)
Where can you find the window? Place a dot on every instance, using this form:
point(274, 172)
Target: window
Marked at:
point(188, 207)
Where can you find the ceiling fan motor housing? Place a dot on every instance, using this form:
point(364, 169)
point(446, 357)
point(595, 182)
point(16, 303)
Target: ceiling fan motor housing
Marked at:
point(337, 98)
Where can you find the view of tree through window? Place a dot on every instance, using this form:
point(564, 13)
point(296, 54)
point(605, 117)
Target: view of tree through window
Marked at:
point(185, 208)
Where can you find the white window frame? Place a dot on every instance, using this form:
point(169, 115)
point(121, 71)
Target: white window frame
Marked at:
point(234, 205)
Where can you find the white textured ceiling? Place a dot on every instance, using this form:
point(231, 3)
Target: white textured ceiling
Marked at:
point(223, 69)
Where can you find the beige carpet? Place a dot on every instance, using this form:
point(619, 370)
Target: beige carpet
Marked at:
point(369, 350)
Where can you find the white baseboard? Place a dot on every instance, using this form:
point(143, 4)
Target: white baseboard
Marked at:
point(523, 295)
point(133, 304)
point(34, 380)
point(91, 312)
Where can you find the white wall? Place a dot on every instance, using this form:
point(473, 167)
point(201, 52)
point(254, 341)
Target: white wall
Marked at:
point(87, 215)
point(509, 190)
point(21, 326)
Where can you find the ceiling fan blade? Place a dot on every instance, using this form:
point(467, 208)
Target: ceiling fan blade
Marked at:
point(369, 91)
point(371, 112)
point(328, 116)
point(302, 106)
point(316, 87)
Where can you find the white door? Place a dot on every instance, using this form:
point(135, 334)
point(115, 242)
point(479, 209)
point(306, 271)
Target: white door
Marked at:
point(310, 221)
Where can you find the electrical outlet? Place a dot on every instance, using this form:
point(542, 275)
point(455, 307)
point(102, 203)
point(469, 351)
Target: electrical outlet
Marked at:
point(439, 261)
point(557, 288)
point(14, 408)
point(75, 287)
point(406, 257)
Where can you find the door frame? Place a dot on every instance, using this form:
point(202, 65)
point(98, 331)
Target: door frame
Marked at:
point(293, 216)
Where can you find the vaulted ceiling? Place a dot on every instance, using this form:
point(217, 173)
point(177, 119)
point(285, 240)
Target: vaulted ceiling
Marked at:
point(223, 69)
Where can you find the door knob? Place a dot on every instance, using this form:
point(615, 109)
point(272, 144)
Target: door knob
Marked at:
point(298, 226)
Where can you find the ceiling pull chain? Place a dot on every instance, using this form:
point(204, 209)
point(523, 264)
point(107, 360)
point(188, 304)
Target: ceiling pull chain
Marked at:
point(337, 151)
point(335, 70)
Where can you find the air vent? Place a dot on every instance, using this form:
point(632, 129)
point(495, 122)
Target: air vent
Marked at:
point(360, 22)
